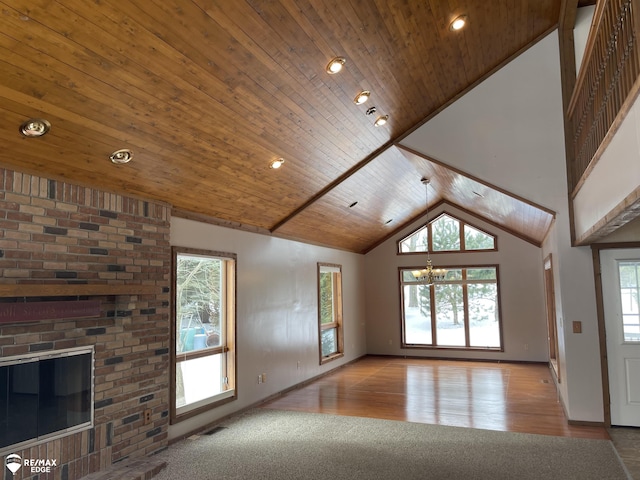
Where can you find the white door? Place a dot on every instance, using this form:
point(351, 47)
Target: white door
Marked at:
point(621, 298)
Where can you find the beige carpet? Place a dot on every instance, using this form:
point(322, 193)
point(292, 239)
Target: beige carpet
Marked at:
point(274, 444)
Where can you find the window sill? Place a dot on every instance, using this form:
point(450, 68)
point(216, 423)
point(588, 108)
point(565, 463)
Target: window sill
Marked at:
point(183, 413)
point(460, 349)
point(335, 356)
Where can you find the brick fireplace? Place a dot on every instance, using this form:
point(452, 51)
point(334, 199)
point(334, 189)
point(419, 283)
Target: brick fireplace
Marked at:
point(54, 233)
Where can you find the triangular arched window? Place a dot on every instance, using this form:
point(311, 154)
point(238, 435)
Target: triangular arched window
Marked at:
point(446, 233)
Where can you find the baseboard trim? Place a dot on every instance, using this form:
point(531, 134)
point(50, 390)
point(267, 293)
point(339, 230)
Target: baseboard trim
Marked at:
point(583, 423)
point(460, 359)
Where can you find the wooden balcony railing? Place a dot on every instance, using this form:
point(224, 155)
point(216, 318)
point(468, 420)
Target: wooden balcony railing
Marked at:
point(606, 85)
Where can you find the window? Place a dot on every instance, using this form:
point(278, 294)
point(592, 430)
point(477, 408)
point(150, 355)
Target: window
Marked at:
point(629, 272)
point(475, 239)
point(445, 234)
point(448, 234)
point(461, 312)
point(330, 312)
point(203, 367)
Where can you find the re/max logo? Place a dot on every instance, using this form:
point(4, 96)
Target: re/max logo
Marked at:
point(39, 462)
point(36, 465)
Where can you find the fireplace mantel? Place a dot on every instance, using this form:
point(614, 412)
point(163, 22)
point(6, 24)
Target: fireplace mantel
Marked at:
point(64, 290)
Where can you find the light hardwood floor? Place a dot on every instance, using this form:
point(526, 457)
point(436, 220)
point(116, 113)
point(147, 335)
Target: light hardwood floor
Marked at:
point(495, 396)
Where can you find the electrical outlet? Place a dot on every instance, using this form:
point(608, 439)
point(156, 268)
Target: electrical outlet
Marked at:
point(147, 416)
point(259, 379)
point(264, 378)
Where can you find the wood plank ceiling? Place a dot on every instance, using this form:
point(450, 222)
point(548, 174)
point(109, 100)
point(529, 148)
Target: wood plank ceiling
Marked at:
point(206, 93)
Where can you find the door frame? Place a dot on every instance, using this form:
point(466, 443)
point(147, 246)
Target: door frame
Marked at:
point(604, 365)
point(552, 324)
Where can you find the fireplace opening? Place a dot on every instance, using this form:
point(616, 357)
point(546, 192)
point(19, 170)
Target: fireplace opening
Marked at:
point(45, 396)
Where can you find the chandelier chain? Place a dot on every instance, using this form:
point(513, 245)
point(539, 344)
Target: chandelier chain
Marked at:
point(428, 275)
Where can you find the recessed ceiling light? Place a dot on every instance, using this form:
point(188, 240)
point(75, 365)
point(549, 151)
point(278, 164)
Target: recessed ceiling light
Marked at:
point(335, 65)
point(458, 23)
point(362, 97)
point(381, 120)
point(277, 163)
point(35, 127)
point(121, 156)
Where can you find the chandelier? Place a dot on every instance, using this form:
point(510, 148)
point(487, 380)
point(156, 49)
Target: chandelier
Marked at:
point(428, 275)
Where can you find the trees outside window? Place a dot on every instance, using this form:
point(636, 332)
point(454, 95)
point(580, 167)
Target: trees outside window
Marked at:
point(331, 344)
point(447, 234)
point(460, 312)
point(203, 331)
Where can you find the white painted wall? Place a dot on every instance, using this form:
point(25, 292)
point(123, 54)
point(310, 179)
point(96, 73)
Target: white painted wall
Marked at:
point(277, 316)
point(509, 131)
point(581, 383)
point(521, 294)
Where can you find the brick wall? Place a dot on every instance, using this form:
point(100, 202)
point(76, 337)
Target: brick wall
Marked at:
point(54, 232)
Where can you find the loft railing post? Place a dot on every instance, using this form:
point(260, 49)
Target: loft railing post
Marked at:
point(566, 42)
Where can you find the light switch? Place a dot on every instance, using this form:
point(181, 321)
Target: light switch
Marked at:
point(577, 327)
